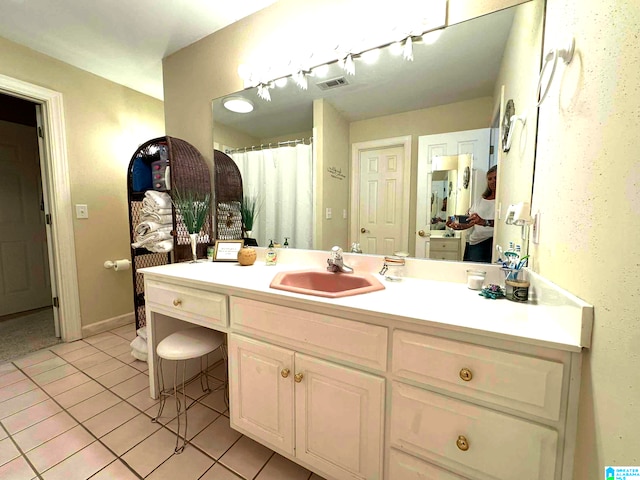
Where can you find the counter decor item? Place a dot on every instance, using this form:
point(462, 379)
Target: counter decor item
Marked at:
point(227, 250)
point(475, 279)
point(492, 291)
point(246, 256)
point(193, 209)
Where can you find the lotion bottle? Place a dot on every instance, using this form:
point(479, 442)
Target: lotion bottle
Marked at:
point(271, 257)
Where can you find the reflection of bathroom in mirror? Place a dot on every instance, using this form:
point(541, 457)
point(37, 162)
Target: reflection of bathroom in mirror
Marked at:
point(457, 84)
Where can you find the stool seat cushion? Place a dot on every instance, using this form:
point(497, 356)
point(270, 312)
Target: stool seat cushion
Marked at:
point(189, 343)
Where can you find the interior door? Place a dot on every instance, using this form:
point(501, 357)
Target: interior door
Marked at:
point(24, 275)
point(473, 142)
point(381, 200)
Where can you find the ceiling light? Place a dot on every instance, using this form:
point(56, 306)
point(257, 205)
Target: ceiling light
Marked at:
point(348, 65)
point(370, 56)
point(238, 105)
point(407, 52)
point(301, 79)
point(432, 37)
point(263, 92)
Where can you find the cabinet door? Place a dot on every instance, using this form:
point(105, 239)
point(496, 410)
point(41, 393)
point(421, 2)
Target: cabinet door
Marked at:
point(261, 391)
point(339, 419)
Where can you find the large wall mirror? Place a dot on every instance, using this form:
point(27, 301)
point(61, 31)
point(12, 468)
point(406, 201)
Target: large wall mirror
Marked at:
point(360, 158)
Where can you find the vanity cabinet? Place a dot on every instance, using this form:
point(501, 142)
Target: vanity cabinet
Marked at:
point(480, 411)
point(326, 415)
point(445, 248)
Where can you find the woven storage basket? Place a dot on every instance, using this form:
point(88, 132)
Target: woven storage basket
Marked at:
point(227, 197)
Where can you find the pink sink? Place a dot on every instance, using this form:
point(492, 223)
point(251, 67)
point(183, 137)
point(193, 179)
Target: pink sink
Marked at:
point(326, 284)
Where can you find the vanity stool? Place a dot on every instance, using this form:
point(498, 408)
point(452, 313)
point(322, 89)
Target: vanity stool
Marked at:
point(192, 343)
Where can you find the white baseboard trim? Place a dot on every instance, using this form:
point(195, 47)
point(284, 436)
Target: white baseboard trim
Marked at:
point(108, 324)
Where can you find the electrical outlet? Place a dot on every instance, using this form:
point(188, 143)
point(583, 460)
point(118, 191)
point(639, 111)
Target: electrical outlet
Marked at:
point(328, 214)
point(82, 211)
point(535, 228)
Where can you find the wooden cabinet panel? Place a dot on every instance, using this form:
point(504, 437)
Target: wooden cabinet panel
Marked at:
point(356, 342)
point(407, 467)
point(480, 442)
point(339, 419)
point(528, 384)
point(261, 390)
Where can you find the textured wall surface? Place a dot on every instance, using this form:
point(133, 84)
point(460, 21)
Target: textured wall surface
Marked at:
point(587, 186)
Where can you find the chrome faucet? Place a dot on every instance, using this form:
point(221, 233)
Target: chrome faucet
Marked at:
point(336, 262)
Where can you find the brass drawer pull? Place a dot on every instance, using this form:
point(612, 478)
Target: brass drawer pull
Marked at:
point(298, 377)
point(285, 372)
point(462, 443)
point(466, 375)
point(177, 302)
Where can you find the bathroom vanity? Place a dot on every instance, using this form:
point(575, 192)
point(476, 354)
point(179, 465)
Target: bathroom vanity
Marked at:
point(393, 384)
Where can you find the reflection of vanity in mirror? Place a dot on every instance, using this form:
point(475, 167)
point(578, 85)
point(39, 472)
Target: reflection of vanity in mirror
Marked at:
point(366, 176)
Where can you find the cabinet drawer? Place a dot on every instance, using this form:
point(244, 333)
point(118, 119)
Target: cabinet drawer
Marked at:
point(408, 467)
point(438, 255)
point(339, 338)
point(477, 441)
point(445, 245)
point(188, 303)
point(528, 384)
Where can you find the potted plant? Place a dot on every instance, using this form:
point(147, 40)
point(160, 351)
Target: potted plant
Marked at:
point(194, 208)
point(249, 208)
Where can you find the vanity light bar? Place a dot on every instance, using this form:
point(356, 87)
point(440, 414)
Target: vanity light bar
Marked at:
point(347, 62)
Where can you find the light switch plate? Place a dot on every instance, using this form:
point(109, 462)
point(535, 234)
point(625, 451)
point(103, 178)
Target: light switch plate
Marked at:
point(82, 211)
point(328, 214)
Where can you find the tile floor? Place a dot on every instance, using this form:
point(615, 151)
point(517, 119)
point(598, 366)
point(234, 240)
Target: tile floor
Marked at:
point(82, 410)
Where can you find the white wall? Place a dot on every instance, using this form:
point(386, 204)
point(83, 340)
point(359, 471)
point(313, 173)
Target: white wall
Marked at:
point(587, 186)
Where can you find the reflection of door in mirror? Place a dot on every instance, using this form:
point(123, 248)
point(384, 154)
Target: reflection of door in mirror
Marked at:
point(448, 154)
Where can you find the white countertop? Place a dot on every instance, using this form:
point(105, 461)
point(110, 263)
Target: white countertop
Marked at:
point(558, 320)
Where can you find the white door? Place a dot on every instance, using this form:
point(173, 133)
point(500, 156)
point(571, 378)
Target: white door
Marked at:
point(261, 391)
point(339, 419)
point(24, 268)
point(381, 200)
point(474, 142)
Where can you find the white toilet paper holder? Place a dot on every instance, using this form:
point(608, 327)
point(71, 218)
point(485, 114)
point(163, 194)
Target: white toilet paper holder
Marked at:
point(114, 263)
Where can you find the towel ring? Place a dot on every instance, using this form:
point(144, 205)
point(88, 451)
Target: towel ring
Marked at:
point(552, 58)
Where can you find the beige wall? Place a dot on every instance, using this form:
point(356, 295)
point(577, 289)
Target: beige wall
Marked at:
point(230, 137)
point(519, 76)
point(453, 117)
point(587, 187)
point(104, 123)
point(332, 175)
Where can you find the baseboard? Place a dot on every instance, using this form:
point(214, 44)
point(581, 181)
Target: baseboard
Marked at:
point(108, 324)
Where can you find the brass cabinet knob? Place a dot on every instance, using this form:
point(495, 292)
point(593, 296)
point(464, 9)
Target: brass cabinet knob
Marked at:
point(462, 443)
point(285, 372)
point(177, 302)
point(466, 375)
point(298, 377)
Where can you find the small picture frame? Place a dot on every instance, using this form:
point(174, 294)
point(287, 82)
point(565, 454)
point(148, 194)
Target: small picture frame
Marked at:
point(227, 250)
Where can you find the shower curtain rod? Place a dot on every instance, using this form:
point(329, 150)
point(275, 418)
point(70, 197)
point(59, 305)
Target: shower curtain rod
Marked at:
point(265, 146)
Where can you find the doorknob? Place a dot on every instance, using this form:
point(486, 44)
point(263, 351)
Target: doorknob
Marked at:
point(363, 230)
point(422, 233)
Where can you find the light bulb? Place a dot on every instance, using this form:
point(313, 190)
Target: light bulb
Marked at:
point(320, 71)
point(371, 56)
point(395, 48)
point(281, 82)
point(432, 37)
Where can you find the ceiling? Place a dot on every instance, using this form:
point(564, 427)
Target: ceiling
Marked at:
point(121, 40)
point(463, 64)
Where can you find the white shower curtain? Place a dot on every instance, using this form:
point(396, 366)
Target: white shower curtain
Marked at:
point(282, 178)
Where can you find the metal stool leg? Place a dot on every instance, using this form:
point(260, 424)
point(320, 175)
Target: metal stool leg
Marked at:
point(162, 394)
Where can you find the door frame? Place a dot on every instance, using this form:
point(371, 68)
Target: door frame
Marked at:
point(354, 214)
point(55, 176)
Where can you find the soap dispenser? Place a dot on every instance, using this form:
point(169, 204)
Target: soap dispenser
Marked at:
point(271, 257)
point(286, 242)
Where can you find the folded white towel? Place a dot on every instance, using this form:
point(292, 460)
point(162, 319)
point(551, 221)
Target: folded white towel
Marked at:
point(154, 210)
point(150, 239)
point(154, 217)
point(160, 199)
point(164, 246)
point(148, 226)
